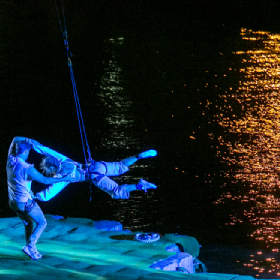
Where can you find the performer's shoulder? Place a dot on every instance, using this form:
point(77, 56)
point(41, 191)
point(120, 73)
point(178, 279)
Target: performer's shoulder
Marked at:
point(26, 164)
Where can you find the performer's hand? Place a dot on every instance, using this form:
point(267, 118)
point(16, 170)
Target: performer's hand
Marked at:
point(32, 142)
point(35, 143)
point(32, 194)
point(29, 141)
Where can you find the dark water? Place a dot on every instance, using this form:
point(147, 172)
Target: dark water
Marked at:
point(197, 82)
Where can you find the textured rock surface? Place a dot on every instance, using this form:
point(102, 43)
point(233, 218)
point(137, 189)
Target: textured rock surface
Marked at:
point(184, 260)
point(74, 249)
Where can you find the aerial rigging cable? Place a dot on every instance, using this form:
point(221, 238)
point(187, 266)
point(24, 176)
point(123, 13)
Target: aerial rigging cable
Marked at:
point(76, 97)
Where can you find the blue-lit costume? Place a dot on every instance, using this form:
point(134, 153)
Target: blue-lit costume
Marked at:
point(19, 184)
point(20, 201)
point(99, 172)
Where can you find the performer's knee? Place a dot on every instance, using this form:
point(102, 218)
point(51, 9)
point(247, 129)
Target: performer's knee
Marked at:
point(96, 180)
point(43, 223)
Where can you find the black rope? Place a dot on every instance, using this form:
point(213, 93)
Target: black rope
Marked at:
point(58, 16)
point(62, 8)
point(76, 97)
point(78, 109)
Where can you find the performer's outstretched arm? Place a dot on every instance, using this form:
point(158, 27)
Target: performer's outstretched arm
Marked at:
point(43, 150)
point(51, 191)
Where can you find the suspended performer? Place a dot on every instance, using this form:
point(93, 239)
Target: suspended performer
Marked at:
point(20, 175)
point(98, 172)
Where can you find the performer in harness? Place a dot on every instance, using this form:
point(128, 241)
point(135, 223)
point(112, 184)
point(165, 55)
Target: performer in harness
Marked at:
point(57, 165)
point(98, 173)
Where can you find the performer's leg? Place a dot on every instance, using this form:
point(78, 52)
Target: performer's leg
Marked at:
point(141, 186)
point(146, 154)
point(123, 191)
point(38, 217)
point(118, 168)
point(19, 208)
point(31, 236)
point(145, 185)
point(129, 161)
point(113, 168)
point(111, 187)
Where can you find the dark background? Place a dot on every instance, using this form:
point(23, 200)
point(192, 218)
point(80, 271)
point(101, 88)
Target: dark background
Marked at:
point(168, 47)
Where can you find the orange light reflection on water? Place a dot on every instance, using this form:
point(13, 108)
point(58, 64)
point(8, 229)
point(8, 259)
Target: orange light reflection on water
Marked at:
point(253, 155)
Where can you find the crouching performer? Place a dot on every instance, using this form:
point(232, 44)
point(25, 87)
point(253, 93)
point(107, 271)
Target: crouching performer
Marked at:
point(57, 165)
point(19, 178)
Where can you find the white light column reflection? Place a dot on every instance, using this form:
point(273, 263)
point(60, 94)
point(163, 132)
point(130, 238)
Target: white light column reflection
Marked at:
point(120, 136)
point(112, 94)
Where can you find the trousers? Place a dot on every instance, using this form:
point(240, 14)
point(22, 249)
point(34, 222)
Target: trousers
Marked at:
point(99, 175)
point(28, 212)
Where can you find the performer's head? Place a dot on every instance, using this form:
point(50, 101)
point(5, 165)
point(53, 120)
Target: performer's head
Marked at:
point(50, 165)
point(23, 148)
